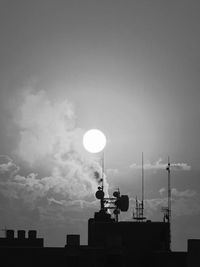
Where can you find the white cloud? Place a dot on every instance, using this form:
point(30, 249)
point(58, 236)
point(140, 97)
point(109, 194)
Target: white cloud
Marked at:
point(186, 193)
point(49, 137)
point(162, 191)
point(71, 185)
point(160, 165)
point(176, 193)
point(45, 127)
point(7, 166)
point(185, 202)
point(50, 140)
point(74, 204)
point(180, 166)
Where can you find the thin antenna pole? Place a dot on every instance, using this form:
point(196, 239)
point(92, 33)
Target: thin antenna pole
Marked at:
point(142, 183)
point(169, 190)
point(102, 179)
point(169, 201)
point(137, 213)
point(103, 168)
point(140, 204)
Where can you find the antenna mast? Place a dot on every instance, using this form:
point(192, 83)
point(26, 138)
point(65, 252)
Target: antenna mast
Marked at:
point(139, 216)
point(169, 200)
point(103, 168)
point(142, 185)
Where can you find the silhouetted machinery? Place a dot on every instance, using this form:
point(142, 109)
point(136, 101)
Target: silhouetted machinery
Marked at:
point(117, 203)
point(105, 230)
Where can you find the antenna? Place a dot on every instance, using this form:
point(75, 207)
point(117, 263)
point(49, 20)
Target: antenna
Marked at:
point(117, 203)
point(169, 189)
point(169, 200)
point(103, 168)
point(142, 184)
point(139, 216)
point(100, 193)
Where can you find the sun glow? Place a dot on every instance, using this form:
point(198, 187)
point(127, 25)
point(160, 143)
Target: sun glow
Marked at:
point(94, 141)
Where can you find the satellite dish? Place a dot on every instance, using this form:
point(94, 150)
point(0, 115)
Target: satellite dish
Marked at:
point(99, 194)
point(124, 203)
point(116, 194)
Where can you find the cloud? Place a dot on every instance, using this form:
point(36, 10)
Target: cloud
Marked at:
point(159, 165)
point(50, 142)
point(55, 194)
point(77, 205)
point(74, 184)
point(180, 166)
point(176, 193)
point(7, 166)
point(186, 193)
point(45, 127)
point(185, 202)
point(162, 191)
point(49, 137)
point(155, 203)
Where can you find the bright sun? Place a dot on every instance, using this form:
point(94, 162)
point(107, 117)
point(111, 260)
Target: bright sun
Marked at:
point(94, 141)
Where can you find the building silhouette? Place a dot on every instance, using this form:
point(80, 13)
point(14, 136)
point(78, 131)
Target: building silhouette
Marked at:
point(111, 242)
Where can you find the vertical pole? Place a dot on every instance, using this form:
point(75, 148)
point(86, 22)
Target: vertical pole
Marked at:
point(136, 208)
point(117, 217)
point(142, 184)
point(102, 179)
point(169, 190)
point(169, 201)
point(103, 168)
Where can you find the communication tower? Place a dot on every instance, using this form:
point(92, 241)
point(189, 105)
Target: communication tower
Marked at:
point(138, 215)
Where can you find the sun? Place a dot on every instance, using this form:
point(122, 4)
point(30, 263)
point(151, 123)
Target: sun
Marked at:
point(94, 141)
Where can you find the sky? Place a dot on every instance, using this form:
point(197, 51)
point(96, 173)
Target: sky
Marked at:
point(128, 68)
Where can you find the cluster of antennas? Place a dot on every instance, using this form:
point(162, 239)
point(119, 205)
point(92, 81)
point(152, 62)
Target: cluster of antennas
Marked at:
point(117, 203)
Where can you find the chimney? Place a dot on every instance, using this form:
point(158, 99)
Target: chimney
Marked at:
point(10, 234)
point(21, 234)
point(73, 240)
point(32, 234)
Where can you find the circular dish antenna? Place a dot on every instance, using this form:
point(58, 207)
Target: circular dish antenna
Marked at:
point(94, 141)
point(124, 203)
